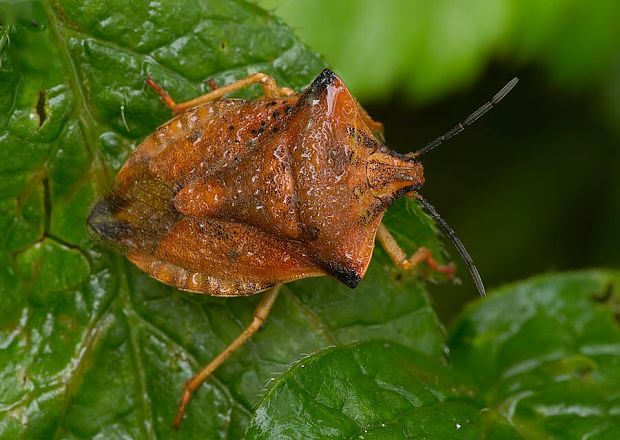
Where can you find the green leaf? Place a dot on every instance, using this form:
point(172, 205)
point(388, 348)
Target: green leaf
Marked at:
point(538, 359)
point(547, 352)
point(374, 390)
point(89, 345)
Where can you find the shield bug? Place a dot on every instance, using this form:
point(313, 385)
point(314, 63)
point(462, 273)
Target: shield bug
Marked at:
point(233, 197)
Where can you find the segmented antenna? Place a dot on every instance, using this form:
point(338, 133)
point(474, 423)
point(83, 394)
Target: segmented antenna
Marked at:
point(457, 243)
point(468, 121)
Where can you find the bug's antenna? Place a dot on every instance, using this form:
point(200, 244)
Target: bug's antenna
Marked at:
point(457, 243)
point(468, 121)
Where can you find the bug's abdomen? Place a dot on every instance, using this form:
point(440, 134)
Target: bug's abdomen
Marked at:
point(224, 258)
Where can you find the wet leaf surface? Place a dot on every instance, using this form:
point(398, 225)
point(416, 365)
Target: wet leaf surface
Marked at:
point(90, 346)
point(373, 390)
point(537, 359)
point(547, 353)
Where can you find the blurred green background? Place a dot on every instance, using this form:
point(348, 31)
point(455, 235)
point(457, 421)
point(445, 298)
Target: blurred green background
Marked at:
point(535, 185)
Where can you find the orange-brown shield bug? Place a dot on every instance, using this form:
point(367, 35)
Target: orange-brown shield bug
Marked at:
point(233, 197)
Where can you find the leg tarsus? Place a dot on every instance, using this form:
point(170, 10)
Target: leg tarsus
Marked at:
point(421, 255)
point(425, 255)
point(260, 315)
point(165, 97)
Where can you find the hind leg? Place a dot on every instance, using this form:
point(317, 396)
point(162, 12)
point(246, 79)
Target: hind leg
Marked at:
point(260, 315)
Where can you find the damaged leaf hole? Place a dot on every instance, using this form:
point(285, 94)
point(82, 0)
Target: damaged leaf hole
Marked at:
point(40, 108)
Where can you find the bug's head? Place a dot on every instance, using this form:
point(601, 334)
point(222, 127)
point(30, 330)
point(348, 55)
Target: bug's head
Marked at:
point(391, 174)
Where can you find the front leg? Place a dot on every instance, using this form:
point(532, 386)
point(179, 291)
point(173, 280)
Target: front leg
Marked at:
point(399, 257)
point(268, 83)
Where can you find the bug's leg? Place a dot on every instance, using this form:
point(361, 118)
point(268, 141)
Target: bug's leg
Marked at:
point(399, 257)
point(270, 89)
point(260, 315)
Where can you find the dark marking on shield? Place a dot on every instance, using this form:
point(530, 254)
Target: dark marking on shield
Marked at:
point(194, 136)
point(233, 256)
point(344, 274)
